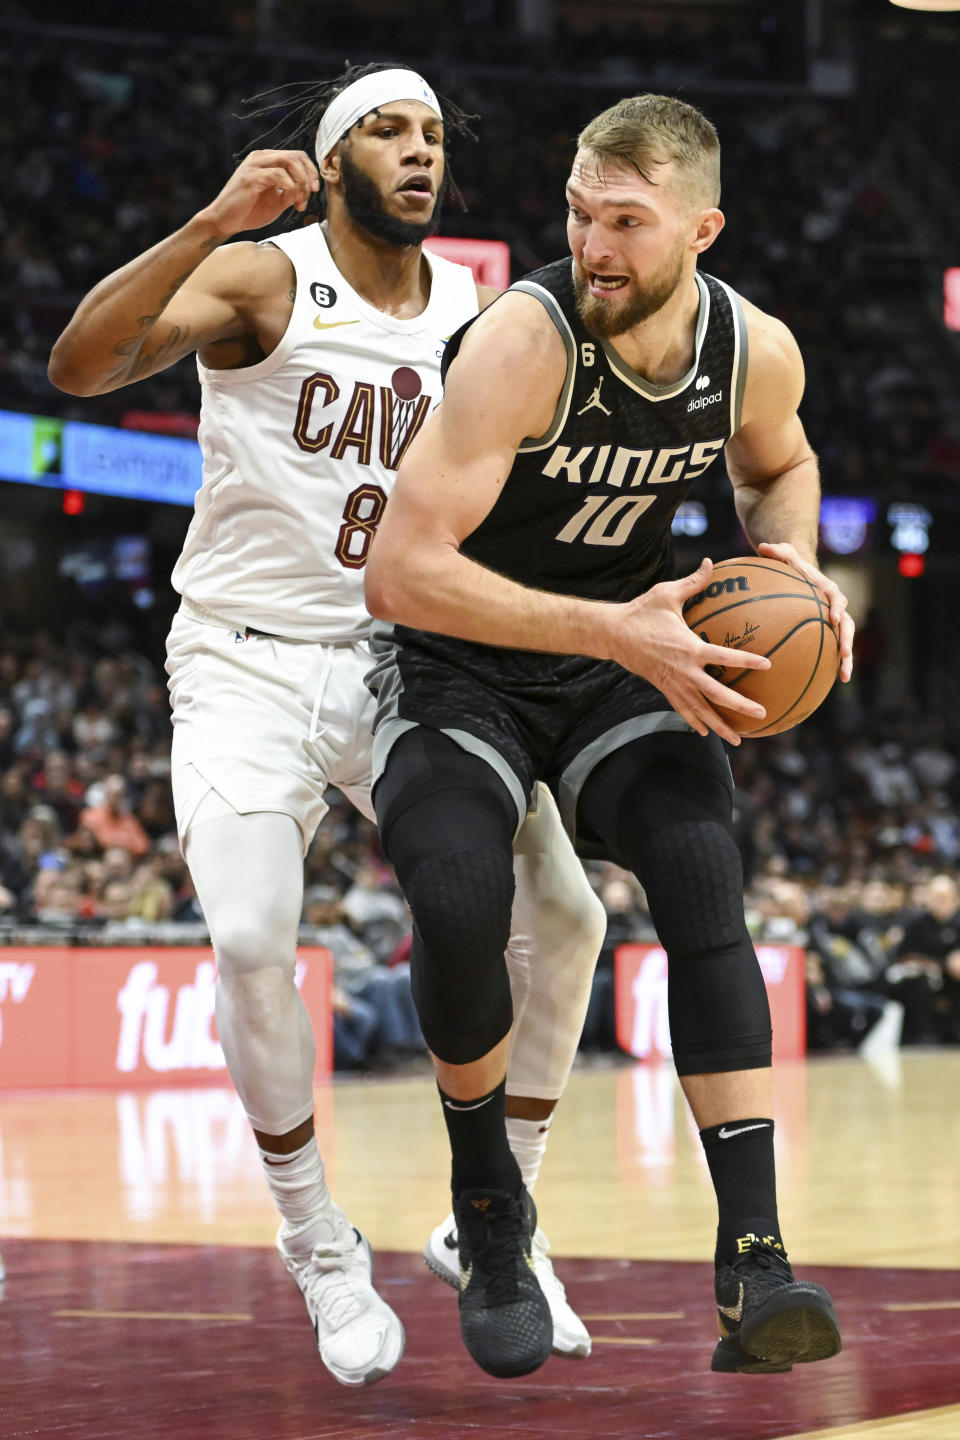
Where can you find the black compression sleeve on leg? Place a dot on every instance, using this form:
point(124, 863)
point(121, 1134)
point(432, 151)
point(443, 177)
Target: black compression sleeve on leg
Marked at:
point(446, 823)
point(662, 805)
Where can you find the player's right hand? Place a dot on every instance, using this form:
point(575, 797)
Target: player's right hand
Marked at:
point(264, 184)
point(652, 639)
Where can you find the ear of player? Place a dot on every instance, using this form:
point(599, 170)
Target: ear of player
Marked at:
point(767, 607)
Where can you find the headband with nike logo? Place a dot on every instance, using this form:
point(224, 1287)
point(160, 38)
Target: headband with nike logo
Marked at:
point(366, 94)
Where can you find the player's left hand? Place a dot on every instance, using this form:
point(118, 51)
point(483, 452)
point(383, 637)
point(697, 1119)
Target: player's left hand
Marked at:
point(834, 596)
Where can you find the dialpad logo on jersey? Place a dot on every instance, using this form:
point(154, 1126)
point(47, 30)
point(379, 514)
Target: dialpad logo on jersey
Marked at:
point(323, 295)
point(702, 401)
point(377, 426)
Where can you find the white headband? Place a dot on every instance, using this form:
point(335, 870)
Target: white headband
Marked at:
point(364, 95)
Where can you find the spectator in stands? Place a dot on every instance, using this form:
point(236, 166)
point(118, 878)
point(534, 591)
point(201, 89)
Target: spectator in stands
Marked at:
point(56, 894)
point(889, 777)
point(384, 989)
point(878, 917)
point(846, 996)
point(925, 976)
point(112, 822)
point(355, 1025)
point(36, 849)
point(376, 912)
point(7, 749)
point(932, 762)
point(59, 788)
point(155, 810)
point(92, 727)
point(116, 900)
point(152, 894)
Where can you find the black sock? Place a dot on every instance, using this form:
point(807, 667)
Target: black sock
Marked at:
point(740, 1156)
point(482, 1158)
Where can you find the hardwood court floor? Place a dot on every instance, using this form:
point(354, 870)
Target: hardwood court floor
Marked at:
point(143, 1296)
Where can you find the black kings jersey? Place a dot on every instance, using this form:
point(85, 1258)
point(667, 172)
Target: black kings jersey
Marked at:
point(587, 508)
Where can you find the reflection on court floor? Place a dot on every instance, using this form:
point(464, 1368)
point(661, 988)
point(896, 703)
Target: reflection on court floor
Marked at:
point(212, 1343)
point(143, 1288)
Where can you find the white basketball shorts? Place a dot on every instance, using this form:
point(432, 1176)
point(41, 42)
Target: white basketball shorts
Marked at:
point(265, 723)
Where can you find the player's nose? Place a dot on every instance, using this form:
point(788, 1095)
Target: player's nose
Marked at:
point(418, 151)
point(597, 251)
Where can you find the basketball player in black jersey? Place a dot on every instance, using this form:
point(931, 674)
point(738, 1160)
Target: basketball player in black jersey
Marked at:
point(525, 560)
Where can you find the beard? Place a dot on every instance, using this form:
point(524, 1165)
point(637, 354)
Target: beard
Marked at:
point(604, 319)
point(365, 208)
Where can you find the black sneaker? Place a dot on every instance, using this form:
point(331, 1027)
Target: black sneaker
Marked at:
point(770, 1322)
point(504, 1316)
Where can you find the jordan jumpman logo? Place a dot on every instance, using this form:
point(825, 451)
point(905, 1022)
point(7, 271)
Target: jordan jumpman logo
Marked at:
point(595, 403)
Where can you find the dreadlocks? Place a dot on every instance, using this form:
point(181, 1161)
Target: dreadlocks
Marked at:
point(299, 107)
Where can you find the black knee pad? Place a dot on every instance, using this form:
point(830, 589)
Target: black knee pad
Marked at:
point(461, 905)
point(693, 877)
point(446, 823)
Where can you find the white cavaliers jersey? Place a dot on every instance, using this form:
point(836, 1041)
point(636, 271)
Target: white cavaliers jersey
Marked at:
point(300, 451)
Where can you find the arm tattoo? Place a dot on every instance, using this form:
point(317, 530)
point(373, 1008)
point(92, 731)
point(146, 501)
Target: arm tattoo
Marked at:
point(138, 361)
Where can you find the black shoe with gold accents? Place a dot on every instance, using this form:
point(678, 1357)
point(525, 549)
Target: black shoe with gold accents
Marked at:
point(769, 1321)
point(504, 1315)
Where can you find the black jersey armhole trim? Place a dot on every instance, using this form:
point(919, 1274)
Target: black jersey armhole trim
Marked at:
point(741, 357)
point(550, 304)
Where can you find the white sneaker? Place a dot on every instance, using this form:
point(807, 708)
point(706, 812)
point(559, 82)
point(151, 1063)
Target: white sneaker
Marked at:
point(570, 1335)
point(884, 1037)
point(359, 1337)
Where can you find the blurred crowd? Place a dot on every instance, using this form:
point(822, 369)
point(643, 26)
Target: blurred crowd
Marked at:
point(89, 850)
point(107, 146)
point(849, 827)
point(850, 835)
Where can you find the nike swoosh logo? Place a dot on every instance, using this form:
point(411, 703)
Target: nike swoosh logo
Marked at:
point(725, 1134)
point(734, 1312)
point(479, 1105)
point(319, 324)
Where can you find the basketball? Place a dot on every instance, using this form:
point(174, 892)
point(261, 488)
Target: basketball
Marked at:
point(767, 606)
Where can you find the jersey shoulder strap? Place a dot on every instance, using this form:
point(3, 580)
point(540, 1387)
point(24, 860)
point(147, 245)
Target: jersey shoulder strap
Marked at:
point(545, 285)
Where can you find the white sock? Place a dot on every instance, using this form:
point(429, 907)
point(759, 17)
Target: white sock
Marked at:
point(300, 1191)
point(528, 1141)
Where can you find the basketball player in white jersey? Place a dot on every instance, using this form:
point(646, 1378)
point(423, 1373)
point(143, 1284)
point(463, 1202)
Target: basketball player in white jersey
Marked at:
point(319, 358)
